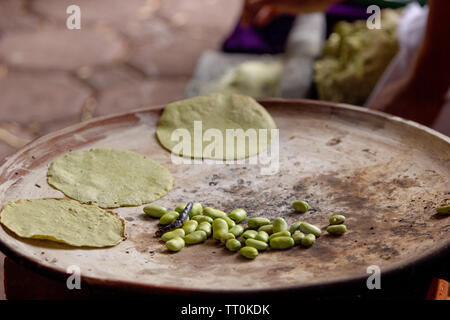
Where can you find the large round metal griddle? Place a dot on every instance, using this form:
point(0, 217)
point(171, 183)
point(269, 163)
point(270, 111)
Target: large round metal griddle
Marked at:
point(386, 175)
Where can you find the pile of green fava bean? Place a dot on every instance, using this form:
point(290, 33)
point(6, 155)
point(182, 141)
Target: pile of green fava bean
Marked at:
point(261, 233)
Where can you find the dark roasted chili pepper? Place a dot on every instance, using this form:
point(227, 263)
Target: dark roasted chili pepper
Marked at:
point(178, 222)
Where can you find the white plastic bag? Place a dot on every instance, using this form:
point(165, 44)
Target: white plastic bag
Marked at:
point(410, 31)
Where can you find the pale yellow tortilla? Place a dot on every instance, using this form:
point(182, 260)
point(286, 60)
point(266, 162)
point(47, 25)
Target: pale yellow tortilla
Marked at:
point(66, 221)
point(259, 79)
point(218, 112)
point(109, 178)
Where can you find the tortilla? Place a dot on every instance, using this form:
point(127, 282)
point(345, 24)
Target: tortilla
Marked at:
point(217, 113)
point(109, 178)
point(65, 221)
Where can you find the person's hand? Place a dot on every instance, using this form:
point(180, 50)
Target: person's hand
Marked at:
point(410, 101)
point(262, 12)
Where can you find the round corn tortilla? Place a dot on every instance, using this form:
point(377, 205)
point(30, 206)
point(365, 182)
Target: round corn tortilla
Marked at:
point(65, 221)
point(218, 112)
point(109, 178)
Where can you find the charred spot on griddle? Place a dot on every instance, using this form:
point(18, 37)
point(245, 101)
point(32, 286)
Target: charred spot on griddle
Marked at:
point(300, 186)
point(405, 183)
point(334, 141)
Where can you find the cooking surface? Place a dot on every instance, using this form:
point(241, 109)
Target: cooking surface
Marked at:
point(384, 175)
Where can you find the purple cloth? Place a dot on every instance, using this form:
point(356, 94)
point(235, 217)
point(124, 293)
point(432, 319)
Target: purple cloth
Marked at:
point(270, 39)
point(348, 11)
point(344, 12)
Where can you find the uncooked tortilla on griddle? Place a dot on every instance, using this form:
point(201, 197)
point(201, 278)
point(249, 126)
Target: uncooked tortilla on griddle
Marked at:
point(219, 112)
point(109, 178)
point(65, 221)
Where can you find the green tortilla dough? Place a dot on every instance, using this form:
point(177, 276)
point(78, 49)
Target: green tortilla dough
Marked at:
point(217, 113)
point(109, 178)
point(354, 59)
point(66, 221)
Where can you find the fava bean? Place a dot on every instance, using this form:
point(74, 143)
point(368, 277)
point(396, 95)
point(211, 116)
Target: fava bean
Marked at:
point(230, 222)
point(233, 245)
point(195, 237)
point(201, 218)
point(155, 211)
point(190, 226)
point(260, 245)
point(238, 215)
point(306, 228)
point(219, 227)
point(284, 233)
point(281, 242)
point(336, 219)
point(337, 229)
point(300, 206)
point(443, 209)
point(175, 244)
point(180, 207)
point(308, 240)
point(254, 223)
point(279, 224)
point(249, 252)
point(196, 210)
point(226, 236)
point(298, 236)
point(205, 226)
point(173, 234)
point(249, 234)
point(213, 213)
point(169, 217)
point(262, 236)
point(267, 228)
point(237, 230)
point(294, 227)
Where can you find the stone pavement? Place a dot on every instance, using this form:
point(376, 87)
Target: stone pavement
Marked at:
point(127, 55)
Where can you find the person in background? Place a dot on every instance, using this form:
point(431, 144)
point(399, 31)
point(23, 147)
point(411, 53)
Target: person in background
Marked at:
point(419, 95)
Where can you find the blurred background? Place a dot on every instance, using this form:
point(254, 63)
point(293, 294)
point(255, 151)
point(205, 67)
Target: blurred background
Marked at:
point(124, 57)
point(138, 53)
point(150, 52)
